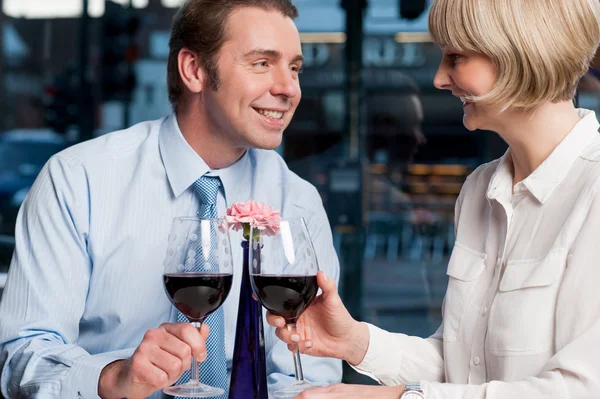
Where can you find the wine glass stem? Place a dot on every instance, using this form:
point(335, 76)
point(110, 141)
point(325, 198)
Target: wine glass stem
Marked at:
point(296, 355)
point(195, 370)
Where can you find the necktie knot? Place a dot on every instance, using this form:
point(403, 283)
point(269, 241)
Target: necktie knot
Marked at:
point(207, 188)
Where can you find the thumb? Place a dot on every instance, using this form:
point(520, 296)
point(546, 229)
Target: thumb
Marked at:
point(205, 331)
point(327, 284)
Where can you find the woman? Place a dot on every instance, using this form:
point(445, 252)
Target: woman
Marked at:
point(521, 317)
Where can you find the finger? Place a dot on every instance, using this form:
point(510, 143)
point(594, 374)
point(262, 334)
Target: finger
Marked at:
point(275, 321)
point(313, 393)
point(254, 297)
point(190, 335)
point(171, 365)
point(329, 288)
point(301, 347)
point(305, 346)
point(144, 371)
point(176, 347)
point(205, 331)
point(287, 336)
point(326, 283)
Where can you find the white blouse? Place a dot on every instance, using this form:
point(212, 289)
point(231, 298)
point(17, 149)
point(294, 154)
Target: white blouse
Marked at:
point(521, 316)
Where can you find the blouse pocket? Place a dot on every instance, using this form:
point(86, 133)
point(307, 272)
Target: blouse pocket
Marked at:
point(464, 268)
point(522, 315)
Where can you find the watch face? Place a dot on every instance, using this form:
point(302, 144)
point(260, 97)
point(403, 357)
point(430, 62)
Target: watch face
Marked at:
point(413, 395)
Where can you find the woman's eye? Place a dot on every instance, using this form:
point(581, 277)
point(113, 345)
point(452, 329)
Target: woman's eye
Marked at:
point(453, 57)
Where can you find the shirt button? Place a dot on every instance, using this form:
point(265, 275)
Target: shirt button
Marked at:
point(476, 360)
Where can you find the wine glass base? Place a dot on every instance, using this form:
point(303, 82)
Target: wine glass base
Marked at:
point(294, 389)
point(194, 391)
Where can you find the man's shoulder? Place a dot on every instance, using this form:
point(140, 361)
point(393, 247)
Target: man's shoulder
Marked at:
point(112, 146)
point(271, 162)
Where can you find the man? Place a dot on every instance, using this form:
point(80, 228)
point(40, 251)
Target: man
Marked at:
point(84, 302)
point(395, 136)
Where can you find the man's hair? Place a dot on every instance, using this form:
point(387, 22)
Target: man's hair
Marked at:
point(540, 48)
point(199, 26)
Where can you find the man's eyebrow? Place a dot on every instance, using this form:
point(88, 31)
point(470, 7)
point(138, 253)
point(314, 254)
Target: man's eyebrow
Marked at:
point(263, 52)
point(270, 54)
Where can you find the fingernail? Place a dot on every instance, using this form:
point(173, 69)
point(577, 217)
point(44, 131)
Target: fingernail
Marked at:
point(201, 356)
point(325, 277)
point(308, 344)
point(279, 323)
point(295, 338)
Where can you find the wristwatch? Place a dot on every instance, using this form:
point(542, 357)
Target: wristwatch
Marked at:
point(413, 391)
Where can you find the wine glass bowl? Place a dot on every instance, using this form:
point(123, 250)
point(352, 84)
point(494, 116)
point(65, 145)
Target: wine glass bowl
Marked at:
point(197, 295)
point(285, 295)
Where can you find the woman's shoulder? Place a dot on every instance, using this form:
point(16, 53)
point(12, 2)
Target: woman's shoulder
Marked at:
point(480, 178)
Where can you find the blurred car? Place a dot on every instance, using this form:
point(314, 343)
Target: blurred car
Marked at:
point(23, 153)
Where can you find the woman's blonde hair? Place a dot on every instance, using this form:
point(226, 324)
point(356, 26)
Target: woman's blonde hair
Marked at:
point(540, 48)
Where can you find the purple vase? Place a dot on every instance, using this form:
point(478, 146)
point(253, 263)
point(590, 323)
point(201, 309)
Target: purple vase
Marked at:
point(249, 374)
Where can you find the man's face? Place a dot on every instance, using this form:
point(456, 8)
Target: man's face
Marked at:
point(258, 67)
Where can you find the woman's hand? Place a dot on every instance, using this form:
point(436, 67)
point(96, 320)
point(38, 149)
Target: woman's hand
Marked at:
point(343, 391)
point(326, 329)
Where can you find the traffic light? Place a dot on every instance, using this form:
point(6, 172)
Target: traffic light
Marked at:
point(61, 102)
point(412, 9)
point(119, 51)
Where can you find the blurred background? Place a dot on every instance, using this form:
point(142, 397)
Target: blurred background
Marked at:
point(386, 150)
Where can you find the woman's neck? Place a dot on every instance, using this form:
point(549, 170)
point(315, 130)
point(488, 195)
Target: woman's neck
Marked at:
point(533, 135)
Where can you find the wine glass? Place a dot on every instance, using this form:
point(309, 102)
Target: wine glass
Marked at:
point(283, 274)
point(197, 279)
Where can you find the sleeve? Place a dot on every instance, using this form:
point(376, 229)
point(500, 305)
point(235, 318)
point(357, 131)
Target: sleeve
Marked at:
point(573, 371)
point(46, 291)
point(395, 359)
point(280, 364)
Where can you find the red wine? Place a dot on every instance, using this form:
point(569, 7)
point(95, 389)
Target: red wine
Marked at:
point(197, 295)
point(286, 296)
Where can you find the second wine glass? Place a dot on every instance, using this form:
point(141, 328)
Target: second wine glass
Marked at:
point(283, 274)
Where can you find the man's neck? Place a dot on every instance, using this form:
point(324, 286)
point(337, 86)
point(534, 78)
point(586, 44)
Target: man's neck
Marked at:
point(215, 149)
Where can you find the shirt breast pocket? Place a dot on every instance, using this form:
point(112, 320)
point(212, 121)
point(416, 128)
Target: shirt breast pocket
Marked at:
point(522, 315)
point(464, 268)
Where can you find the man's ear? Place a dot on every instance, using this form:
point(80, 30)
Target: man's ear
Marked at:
point(190, 70)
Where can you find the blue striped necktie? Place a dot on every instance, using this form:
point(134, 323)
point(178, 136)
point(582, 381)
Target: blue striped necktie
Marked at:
point(213, 371)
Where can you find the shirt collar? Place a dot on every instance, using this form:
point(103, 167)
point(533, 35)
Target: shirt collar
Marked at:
point(502, 178)
point(546, 177)
point(184, 166)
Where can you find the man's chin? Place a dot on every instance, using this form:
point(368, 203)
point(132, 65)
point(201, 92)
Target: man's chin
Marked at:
point(269, 144)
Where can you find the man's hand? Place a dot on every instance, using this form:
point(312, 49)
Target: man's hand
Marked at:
point(326, 329)
point(162, 357)
point(343, 391)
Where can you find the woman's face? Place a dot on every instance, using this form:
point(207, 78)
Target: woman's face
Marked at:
point(469, 74)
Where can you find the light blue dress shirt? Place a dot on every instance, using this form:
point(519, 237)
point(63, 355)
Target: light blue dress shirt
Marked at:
point(85, 282)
